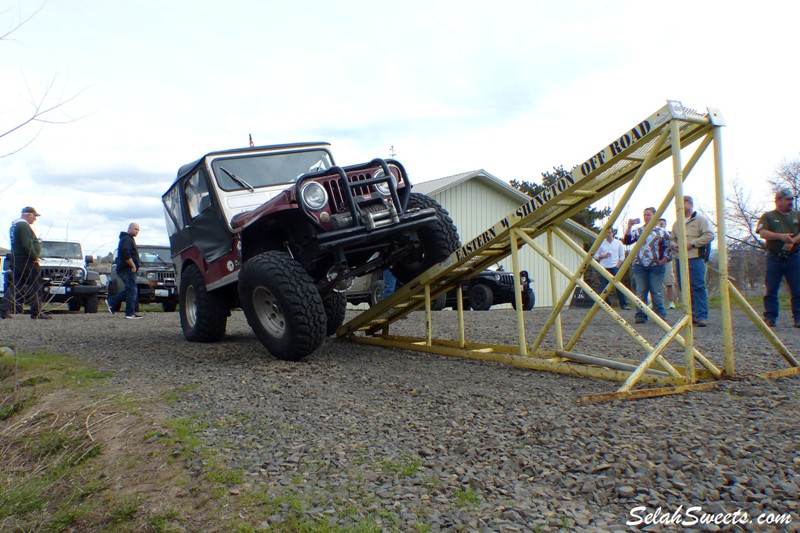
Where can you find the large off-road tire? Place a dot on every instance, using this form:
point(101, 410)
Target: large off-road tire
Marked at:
point(438, 240)
point(481, 297)
point(169, 306)
point(90, 304)
point(204, 314)
point(335, 305)
point(282, 305)
point(376, 292)
point(73, 304)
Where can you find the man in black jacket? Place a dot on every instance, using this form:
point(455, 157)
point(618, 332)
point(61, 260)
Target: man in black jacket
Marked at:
point(127, 265)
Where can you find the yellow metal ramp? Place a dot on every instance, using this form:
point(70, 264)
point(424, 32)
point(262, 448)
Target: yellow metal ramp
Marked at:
point(622, 162)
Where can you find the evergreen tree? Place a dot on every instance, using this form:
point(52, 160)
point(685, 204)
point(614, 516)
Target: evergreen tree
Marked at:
point(588, 217)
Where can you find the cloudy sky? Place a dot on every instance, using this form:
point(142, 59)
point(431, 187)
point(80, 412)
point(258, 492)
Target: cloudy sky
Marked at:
point(513, 87)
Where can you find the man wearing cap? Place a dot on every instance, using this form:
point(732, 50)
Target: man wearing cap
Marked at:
point(25, 248)
point(781, 229)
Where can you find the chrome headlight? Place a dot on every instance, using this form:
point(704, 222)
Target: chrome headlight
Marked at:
point(314, 195)
point(78, 273)
point(152, 276)
point(383, 187)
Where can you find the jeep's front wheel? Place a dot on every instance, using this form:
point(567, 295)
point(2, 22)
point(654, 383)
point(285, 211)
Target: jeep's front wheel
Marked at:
point(169, 306)
point(437, 240)
point(204, 314)
point(282, 305)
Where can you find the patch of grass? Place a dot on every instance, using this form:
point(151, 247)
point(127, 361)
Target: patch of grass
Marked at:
point(16, 406)
point(182, 435)
point(35, 380)
point(178, 393)
point(467, 497)
point(164, 520)
point(405, 467)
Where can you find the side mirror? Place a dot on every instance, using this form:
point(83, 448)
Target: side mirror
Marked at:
point(89, 259)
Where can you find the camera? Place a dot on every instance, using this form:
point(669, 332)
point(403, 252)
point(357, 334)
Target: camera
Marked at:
point(637, 220)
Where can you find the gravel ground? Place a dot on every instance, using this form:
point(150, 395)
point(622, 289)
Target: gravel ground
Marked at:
point(430, 442)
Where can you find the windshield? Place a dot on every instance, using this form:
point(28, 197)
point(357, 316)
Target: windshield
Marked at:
point(149, 254)
point(264, 170)
point(65, 250)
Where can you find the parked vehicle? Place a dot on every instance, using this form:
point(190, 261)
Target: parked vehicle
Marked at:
point(155, 278)
point(488, 288)
point(366, 289)
point(281, 231)
point(66, 278)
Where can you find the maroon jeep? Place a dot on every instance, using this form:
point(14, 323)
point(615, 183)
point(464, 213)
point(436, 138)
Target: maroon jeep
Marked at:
point(281, 231)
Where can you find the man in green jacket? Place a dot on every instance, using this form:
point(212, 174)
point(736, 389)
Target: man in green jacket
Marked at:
point(25, 249)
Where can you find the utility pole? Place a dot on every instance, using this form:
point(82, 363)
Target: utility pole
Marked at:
point(391, 151)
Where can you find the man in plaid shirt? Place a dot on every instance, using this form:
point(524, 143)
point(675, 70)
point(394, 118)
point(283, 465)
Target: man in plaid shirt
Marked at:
point(649, 264)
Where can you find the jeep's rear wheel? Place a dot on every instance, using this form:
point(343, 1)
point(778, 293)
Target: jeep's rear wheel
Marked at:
point(90, 304)
point(437, 240)
point(204, 314)
point(481, 297)
point(335, 308)
point(282, 305)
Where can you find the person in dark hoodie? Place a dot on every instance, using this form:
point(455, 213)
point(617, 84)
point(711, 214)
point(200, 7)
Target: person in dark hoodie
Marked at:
point(127, 265)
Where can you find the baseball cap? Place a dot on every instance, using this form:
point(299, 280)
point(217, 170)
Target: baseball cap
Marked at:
point(30, 210)
point(783, 193)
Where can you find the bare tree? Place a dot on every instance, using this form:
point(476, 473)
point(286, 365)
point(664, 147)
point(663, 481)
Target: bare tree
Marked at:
point(43, 104)
point(787, 176)
point(741, 217)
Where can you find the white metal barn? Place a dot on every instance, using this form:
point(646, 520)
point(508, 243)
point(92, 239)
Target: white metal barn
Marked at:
point(477, 200)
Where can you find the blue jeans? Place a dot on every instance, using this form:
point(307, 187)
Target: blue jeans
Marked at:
point(623, 302)
point(649, 280)
point(697, 284)
point(389, 283)
point(128, 296)
point(777, 269)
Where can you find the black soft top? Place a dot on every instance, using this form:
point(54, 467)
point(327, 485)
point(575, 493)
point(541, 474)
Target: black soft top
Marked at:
point(190, 167)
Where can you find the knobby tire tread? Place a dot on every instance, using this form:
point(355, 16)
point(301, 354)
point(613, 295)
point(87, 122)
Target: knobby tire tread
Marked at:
point(301, 304)
point(439, 239)
point(212, 310)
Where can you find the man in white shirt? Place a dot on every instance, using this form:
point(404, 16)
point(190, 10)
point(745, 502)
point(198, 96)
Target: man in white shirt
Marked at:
point(610, 255)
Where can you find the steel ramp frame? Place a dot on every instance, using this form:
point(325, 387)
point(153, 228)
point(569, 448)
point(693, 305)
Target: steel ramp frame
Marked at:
point(625, 161)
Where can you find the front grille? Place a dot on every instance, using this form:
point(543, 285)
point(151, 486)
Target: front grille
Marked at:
point(56, 276)
point(506, 279)
point(168, 278)
point(337, 195)
point(333, 186)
